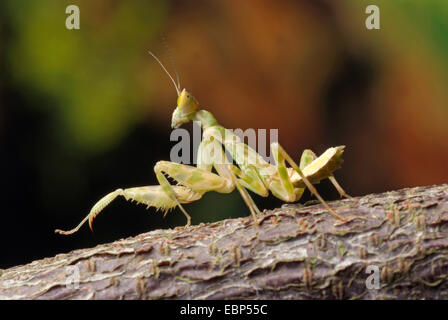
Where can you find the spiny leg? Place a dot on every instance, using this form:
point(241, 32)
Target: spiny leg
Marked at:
point(201, 180)
point(281, 154)
point(195, 178)
point(309, 156)
point(164, 183)
point(187, 175)
point(152, 196)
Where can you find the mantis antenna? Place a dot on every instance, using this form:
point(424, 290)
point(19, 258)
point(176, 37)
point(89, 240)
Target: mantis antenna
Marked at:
point(161, 64)
point(171, 60)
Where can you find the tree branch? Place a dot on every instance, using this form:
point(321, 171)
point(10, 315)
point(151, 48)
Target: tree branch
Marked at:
point(297, 252)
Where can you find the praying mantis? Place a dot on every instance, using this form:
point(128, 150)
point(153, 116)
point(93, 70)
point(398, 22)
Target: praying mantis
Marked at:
point(251, 171)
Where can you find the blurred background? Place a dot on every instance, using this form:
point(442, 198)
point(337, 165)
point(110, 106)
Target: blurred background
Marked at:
point(83, 112)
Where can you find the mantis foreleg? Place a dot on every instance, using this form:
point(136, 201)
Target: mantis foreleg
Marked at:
point(196, 179)
point(201, 179)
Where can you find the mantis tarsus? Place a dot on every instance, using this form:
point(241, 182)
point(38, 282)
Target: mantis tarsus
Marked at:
point(251, 171)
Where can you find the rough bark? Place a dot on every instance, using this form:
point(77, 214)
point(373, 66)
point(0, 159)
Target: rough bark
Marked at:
point(297, 252)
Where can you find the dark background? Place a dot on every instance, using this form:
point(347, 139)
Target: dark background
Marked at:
point(83, 112)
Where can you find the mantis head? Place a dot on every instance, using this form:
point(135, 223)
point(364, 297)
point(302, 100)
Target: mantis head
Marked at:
point(186, 108)
point(187, 105)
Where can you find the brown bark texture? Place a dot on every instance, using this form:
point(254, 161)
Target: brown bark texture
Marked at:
point(296, 252)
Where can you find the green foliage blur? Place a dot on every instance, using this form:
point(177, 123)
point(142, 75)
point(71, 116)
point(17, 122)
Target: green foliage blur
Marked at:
point(92, 74)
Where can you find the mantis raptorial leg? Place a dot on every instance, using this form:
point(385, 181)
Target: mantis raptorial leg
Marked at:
point(168, 189)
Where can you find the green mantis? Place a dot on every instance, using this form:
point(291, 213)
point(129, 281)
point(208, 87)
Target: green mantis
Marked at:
point(251, 171)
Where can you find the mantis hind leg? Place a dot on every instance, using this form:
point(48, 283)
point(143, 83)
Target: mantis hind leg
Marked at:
point(281, 156)
point(309, 156)
point(152, 196)
point(211, 151)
